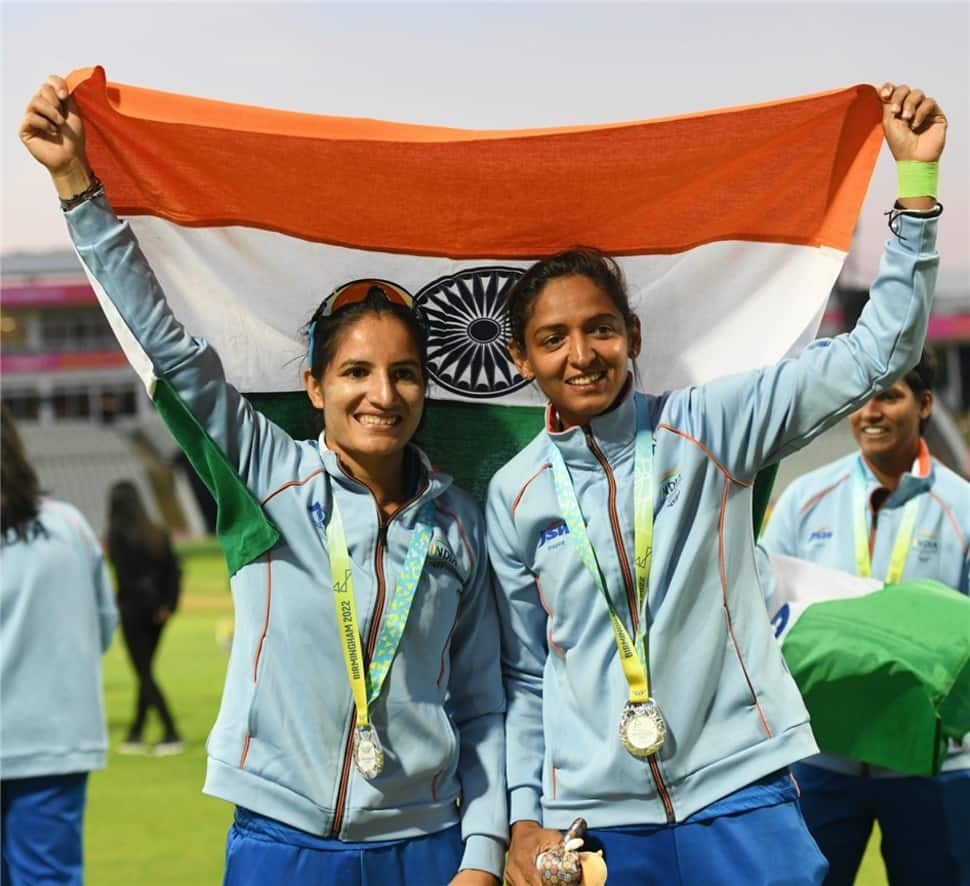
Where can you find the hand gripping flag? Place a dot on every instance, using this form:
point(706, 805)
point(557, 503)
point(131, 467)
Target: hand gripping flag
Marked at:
point(730, 226)
point(884, 670)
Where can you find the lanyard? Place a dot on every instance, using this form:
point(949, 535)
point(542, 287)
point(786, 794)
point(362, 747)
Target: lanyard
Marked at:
point(904, 535)
point(633, 653)
point(366, 687)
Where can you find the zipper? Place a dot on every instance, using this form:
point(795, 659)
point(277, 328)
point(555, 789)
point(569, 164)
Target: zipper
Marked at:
point(382, 526)
point(631, 598)
point(615, 526)
point(875, 519)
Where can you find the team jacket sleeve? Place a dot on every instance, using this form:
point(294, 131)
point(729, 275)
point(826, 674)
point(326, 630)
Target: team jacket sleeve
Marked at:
point(107, 610)
point(523, 630)
point(476, 703)
point(755, 419)
point(229, 444)
point(104, 598)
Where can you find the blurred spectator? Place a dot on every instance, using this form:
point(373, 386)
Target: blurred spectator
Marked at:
point(57, 615)
point(149, 580)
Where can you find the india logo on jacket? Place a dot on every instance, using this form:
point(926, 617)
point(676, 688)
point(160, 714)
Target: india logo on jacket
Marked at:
point(926, 544)
point(670, 487)
point(441, 556)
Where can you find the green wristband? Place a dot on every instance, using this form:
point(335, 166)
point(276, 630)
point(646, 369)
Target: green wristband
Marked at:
point(917, 179)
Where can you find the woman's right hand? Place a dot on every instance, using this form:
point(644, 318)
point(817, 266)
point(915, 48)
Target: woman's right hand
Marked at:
point(529, 839)
point(53, 132)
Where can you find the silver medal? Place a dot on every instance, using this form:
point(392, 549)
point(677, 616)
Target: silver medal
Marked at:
point(642, 728)
point(368, 753)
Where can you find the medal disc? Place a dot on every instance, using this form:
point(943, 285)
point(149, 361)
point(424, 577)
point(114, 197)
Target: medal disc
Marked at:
point(368, 753)
point(642, 728)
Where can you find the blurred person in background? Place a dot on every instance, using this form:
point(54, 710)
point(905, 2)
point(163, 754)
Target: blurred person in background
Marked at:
point(916, 518)
point(57, 615)
point(149, 580)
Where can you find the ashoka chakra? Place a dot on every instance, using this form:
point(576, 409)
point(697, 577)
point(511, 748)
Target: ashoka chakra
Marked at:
point(468, 332)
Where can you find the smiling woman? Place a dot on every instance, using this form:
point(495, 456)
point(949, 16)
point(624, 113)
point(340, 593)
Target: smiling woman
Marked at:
point(360, 735)
point(366, 373)
point(888, 427)
point(645, 692)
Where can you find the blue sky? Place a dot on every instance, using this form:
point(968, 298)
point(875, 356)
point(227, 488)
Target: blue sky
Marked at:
point(495, 66)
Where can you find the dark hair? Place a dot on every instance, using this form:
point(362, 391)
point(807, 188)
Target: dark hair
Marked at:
point(327, 331)
point(583, 260)
point(922, 377)
point(19, 489)
point(129, 523)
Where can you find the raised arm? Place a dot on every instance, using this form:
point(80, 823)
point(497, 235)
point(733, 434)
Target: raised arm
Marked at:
point(754, 419)
point(231, 446)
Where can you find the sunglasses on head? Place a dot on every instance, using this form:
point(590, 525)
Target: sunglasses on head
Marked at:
point(359, 290)
point(354, 293)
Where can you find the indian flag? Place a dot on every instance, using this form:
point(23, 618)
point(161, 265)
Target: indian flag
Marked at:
point(876, 690)
point(730, 226)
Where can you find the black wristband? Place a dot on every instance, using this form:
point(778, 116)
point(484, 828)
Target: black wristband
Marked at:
point(95, 189)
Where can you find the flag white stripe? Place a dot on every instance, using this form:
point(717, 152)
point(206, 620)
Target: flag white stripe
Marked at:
point(717, 309)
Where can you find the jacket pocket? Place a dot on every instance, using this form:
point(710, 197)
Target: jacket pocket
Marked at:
point(421, 758)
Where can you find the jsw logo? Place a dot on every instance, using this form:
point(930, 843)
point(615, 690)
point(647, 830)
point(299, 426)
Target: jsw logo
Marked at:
point(553, 531)
point(821, 534)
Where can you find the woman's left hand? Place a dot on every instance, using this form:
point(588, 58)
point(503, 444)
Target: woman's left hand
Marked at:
point(470, 877)
point(913, 123)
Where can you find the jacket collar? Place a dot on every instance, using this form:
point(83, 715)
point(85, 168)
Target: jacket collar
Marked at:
point(613, 432)
point(917, 480)
point(430, 483)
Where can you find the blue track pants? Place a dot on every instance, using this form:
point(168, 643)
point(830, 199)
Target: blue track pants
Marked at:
point(263, 852)
point(925, 824)
point(754, 837)
point(42, 830)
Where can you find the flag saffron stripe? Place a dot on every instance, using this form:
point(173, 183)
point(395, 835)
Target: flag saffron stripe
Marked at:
point(793, 172)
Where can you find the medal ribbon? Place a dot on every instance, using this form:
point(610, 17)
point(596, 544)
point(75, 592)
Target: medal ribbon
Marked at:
point(904, 536)
point(367, 686)
point(632, 652)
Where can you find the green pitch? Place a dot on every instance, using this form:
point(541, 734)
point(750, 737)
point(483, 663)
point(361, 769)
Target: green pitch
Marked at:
point(147, 822)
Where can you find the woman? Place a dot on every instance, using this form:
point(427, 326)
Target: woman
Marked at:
point(644, 689)
point(915, 523)
point(57, 615)
point(149, 580)
point(361, 729)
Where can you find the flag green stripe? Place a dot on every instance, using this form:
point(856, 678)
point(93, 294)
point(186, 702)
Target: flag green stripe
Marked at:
point(469, 441)
point(243, 529)
point(875, 689)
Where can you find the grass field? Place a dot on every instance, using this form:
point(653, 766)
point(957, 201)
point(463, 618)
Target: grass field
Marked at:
point(147, 822)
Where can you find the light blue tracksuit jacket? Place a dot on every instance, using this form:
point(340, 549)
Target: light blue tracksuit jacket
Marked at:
point(57, 615)
point(732, 710)
point(814, 520)
point(282, 743)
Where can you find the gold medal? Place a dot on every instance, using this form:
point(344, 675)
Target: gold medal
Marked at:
point(642, 728)
point(368, 753)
